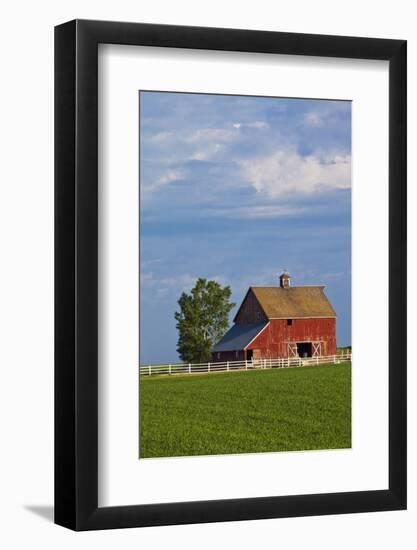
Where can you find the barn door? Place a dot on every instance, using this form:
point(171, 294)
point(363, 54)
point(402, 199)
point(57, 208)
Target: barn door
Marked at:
point(292, 349)
point(316, 349)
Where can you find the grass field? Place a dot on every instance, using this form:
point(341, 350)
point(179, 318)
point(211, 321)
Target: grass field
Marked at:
point(245, 412)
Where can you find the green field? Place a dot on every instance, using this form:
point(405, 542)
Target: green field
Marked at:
point(245, 412)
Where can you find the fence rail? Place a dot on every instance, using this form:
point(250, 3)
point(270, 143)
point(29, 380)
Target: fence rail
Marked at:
point(284, 362)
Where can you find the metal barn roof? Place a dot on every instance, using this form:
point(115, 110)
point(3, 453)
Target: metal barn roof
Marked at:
point(238, 337)
point(293, 302)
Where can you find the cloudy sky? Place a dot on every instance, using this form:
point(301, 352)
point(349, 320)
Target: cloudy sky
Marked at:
point(236, 189)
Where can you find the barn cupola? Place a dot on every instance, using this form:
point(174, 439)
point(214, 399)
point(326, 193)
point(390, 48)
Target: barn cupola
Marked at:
point(284, 280)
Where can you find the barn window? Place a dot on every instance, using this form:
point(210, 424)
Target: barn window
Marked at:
point(237, 354)
point(289, 322)
point(218, 355)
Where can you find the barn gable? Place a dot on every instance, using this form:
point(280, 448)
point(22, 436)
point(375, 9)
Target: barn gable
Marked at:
point(250, 310)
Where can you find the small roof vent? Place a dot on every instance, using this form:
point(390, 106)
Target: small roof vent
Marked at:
point(284, 280)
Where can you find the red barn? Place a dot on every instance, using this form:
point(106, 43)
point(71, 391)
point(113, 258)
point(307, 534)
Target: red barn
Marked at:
point(280, 321)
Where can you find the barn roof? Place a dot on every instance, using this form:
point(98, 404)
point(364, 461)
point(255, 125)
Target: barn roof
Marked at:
point(293, 302)
point(238, 337)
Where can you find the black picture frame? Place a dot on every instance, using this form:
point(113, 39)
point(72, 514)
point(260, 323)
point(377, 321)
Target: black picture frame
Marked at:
point(76, 272)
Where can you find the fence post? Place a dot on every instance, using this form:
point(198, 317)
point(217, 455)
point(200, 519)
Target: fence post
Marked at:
point(288, 361)
point(317, 359)
point(150, 370)
point(246, 364)
point(208, 367)
point(169, 369)
point(227, 365)
point(334, 359)
point(189, 368)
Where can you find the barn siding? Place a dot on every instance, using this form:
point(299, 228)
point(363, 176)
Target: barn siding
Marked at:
point(250, 311)
point(273, 339)
point(222, 356)
point(272, 342)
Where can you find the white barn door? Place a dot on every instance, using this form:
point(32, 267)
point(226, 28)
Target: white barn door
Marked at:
point(316, 349)
point(292, 349)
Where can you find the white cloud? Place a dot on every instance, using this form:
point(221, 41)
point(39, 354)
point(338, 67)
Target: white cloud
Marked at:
point(161, 137)
point(203, 135)
point(212, 134)
point(258, 124)
point(313, 119)
point(209, 151)
point(148, 263)
point(166, 178)
point(211, 141)
point(175, 284)
point(163, 286)
point(287, 172)
point(257, 211)
point(169, 176)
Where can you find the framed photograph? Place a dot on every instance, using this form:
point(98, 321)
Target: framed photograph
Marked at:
point(230, 255)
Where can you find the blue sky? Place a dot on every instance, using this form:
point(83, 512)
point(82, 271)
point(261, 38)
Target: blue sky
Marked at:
point(236, 189)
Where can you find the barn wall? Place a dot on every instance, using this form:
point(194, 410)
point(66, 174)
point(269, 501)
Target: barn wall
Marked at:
point(227, 356)
point(272, 342)
point(250, 311)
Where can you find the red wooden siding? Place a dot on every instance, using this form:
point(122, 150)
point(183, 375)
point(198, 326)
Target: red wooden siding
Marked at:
point(250, 311)
point(273, 341)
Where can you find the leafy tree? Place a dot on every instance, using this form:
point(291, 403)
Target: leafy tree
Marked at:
point(202, 320)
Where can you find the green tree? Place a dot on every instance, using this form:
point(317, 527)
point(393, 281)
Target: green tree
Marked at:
point(202, 320)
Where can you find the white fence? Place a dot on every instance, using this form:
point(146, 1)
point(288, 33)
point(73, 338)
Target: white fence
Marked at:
point(286, 362)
